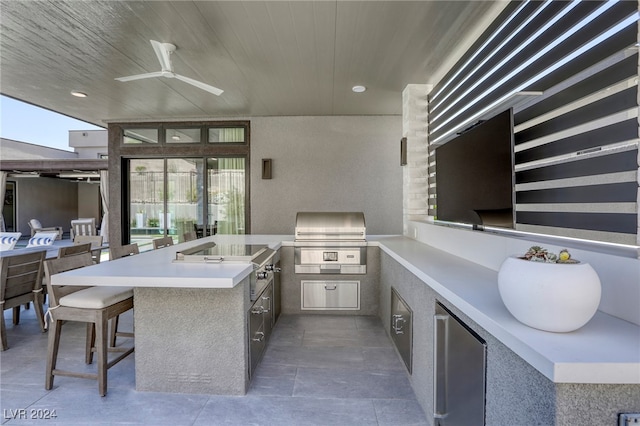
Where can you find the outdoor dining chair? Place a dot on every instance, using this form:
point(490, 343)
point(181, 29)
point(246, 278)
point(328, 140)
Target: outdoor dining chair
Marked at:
point(94, 306)
point(96, 244)
point(74, 250)
point(162, 242)
point(189, 236)
point(20, 283)
point(8, 240)
point(117, 253)
point(36, 227)
point(123, 251)
point(83, 226)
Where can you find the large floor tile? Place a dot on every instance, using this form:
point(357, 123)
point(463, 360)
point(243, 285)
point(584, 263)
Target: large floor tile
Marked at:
point(286, 412)
point(317, 370)
point(336, 383)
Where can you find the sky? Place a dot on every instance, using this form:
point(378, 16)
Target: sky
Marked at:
point(27, 123)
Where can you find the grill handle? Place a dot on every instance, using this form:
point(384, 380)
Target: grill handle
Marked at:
point(338, 233)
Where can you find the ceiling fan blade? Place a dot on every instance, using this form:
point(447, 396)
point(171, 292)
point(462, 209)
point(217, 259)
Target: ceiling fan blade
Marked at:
point(163, 52)
point(199, 84)
point(141, 76)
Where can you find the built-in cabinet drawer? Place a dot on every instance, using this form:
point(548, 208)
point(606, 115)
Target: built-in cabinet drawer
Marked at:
point(401, 328)
point(260, 323)
point(330, 295)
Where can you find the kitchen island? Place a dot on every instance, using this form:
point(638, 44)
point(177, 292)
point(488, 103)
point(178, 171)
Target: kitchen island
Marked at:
point(189, 318)
point(190, 328)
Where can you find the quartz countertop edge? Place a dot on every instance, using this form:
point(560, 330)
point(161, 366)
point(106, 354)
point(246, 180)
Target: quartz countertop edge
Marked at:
point(605, 351)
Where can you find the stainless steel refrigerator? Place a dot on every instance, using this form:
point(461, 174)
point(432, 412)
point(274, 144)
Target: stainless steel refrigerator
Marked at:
point(459, 369)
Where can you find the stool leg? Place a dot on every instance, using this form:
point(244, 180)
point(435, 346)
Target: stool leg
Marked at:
point(16, 314)
point(3, 333)
point(90, 343)
point(102, 333)
point(52, 352)
point(37, 303)
point(114, 330)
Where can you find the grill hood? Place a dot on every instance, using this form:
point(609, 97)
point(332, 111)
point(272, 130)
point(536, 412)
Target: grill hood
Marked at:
point(330, 226)
point(330, 243)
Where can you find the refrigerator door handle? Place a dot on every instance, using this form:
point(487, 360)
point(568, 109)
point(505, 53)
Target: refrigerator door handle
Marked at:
point(440, 325)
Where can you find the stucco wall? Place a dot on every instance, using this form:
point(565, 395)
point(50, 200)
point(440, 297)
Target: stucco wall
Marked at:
point(54, 202)
point(342, 163)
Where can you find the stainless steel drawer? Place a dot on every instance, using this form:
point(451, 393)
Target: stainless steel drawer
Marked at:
point(401, 328)
point(330, 295)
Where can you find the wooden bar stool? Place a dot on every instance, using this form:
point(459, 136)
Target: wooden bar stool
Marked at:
point(20, 283)
point(94, 306)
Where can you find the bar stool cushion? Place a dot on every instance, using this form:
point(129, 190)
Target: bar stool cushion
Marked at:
point(96, 297)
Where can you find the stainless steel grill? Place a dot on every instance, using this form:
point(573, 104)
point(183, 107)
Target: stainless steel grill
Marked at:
point(330, 243)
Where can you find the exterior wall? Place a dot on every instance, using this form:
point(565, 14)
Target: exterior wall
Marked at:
point(90, 144)
point(89, 201)
point(326, 164)
point(54, 202)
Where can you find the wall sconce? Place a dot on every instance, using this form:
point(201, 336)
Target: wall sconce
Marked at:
point(403, 151)
point(267, 166)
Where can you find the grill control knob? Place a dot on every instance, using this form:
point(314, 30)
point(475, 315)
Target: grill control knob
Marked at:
point(262, 275)
point(272, 267)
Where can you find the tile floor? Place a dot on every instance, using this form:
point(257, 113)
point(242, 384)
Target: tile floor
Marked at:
point(317, 370)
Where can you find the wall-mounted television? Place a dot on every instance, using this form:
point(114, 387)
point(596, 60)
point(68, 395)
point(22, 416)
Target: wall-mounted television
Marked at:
point(475, 175)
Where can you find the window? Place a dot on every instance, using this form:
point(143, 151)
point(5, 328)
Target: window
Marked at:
point(177, 135)
point(140, 136)
point(226, 135)
point(182, 183)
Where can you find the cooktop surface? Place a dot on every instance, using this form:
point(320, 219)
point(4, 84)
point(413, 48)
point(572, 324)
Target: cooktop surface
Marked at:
point(227, 251)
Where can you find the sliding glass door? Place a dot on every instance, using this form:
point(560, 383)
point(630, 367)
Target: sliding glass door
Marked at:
point(227, 193)
point(172, 196)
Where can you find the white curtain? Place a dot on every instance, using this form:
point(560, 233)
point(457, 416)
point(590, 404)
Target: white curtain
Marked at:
point(233, 184)
point(3, 190)
point(231, 134)
point(104, 195)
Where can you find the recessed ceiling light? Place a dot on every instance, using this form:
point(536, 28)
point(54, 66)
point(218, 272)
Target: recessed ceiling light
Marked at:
point(358, 89)
point(78, 94)
point(175, 137)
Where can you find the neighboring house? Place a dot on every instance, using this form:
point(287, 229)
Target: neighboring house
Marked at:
point(52, 185)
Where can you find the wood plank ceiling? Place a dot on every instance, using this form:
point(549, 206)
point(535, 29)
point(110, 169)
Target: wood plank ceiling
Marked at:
point(270, 58)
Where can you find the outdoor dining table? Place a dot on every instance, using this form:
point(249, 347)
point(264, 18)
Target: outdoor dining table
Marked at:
point(52, 250)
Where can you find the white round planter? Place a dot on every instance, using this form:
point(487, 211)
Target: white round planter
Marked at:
point(549, 296)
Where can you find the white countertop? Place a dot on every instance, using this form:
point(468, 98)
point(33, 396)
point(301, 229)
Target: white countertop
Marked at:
point(156, 268)
point(606, 350)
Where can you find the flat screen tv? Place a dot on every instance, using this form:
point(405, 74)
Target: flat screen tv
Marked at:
point(475, 175)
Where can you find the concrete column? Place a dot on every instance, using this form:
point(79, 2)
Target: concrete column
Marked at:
point(415, 174)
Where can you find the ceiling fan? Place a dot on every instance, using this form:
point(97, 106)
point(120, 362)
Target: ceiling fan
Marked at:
point(163, 52)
